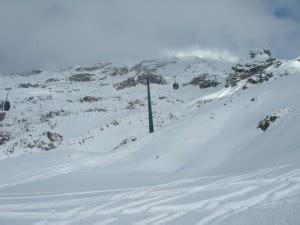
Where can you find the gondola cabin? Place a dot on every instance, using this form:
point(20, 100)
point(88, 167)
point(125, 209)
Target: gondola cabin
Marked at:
point(5, 106)
point(175, 86)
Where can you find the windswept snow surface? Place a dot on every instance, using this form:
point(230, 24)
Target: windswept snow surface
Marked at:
point(207, 162)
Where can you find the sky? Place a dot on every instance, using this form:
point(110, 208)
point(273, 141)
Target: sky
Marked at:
point(56, 34)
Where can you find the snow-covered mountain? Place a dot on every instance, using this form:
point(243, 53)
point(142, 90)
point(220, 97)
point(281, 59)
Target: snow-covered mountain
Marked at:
point(225, 148)
point(99, 102)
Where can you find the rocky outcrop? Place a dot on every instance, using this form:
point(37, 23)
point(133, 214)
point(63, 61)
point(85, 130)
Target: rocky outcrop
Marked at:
point(4, 137)
point(204, 81)
point(118, 71)
point(93, 68)
point(150, 66)
point(90, 99)
point(40, 144)
point(54, 137)
point(141, 79)
point(134, 104)
point(51, 80)
point(29, 85)
point(254, 70)
point(48, 116)
point(82, 77)
point(265, 123)
point(35, 72)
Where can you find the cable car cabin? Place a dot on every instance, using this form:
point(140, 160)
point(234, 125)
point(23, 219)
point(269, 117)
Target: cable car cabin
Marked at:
point(175, 86)
point(5, 105)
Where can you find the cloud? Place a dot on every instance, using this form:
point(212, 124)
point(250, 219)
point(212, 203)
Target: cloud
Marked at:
point(202, 53)
point(55, 34)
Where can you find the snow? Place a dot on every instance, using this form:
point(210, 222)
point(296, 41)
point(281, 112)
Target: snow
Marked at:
point(206, 162)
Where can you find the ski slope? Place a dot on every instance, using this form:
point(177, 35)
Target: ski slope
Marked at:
point(207, 162)
point(267, 196)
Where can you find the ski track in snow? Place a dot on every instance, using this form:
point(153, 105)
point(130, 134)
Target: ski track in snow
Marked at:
point(53, 171)
point(206, 200)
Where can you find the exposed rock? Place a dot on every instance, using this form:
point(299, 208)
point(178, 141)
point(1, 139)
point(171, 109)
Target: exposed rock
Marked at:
point(36, 99)
point(254, 70)
point(96, 110)
point(115, 123)
point(35, 72)
point(260, 52)
point(4, 137)
point(140, 79)
point(133, 104)
point(90, 99)
point(150, 66)
point(130, 82)
point(51, 80)
point(54, 137)
point(82, 77)
point(162, 97)
point(264, 124)
point(98, 66)
point(46, 117)
point(126, 141)
point(41, 145)
point(119, 71)
point(153, 78)
point(144, 67)
point(204, 81)
point(29, 85)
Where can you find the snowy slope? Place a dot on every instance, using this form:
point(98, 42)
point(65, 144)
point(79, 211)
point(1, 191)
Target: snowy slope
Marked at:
point(208, 162)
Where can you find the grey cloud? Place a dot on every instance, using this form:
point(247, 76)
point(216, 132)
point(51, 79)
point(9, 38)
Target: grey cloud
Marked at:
point(54, 34)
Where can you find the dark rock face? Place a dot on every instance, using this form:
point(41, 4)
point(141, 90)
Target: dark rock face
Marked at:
point(81, 77)
point(54, 137)
point(134, 104)
point(130, 82)
point(256, 52)
point(35, 72)
point(4, 137)
point(48, 116)
point(51, 80)
point(119, 71)
point(264, 124)
point(28, 85)
point(92, 68)
point(204, 81)
point(150, 66)
point(141, 79)
point(90, 99)
point(95, 110)
point(253, 71)
point(41, 145)
point(126, 141)
point(153, 78)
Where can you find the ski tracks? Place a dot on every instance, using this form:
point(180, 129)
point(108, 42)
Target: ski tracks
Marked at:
point(212, 202)
point(66, 168)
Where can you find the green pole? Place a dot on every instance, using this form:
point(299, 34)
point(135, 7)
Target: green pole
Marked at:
point(7, 93)
point(151, 129)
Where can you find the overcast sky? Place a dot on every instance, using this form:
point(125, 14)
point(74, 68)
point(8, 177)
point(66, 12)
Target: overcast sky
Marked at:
point(55, 34)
